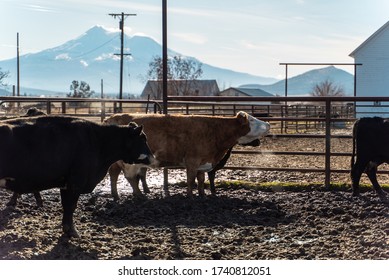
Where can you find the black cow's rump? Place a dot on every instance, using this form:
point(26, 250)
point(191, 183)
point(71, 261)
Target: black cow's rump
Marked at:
point(371, 149)
point(46, 152)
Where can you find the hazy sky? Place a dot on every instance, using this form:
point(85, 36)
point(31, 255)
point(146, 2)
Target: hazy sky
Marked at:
point(251, 36)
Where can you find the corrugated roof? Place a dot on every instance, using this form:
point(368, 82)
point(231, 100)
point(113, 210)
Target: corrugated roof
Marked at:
point(375, 34)
point(253, 91)
point(178, 87)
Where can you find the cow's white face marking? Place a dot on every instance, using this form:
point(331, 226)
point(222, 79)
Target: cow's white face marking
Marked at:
point(205, 167)
point(258, 129)
point(142, 157)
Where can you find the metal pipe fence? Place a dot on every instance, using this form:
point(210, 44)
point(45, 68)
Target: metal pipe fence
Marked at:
point(290, 117)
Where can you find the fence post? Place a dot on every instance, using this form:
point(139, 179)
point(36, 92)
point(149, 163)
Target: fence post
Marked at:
point(48, 107)
point(328, 144)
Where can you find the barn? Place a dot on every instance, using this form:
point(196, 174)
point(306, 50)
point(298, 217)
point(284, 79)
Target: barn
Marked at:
point(153, 88)
point(237, 91)
point(373, 75)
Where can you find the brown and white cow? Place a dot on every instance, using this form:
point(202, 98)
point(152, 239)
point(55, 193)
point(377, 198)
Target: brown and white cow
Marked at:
point(195, 142)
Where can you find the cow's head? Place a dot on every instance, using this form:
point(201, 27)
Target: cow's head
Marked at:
point(138, 151)
point(258, 129)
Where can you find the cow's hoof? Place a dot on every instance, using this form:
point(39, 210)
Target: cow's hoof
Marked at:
point(383, 196)
point(11, 203)
point(356, 193)
point(70, 232)
point(147, 190)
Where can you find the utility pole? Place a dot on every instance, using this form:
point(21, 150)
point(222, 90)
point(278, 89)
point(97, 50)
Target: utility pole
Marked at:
point(122, 16)
point(164, 55)
point(17, 66)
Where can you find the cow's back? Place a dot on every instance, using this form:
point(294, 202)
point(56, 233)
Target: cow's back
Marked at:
point(372, 137)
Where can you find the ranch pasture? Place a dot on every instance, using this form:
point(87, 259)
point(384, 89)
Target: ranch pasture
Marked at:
point(256, 215)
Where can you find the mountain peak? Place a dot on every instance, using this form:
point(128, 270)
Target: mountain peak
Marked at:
point(92, 56)
point(100, 30)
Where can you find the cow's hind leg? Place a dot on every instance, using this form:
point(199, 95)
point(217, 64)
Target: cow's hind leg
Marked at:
point(114, 171)
point(38, 199)
point(371, 171)
point(142, 177)
point(191, 181)
point(356, 173)
point(200, 180)
point(14, 199)
point(211, 178)
point(69, 201)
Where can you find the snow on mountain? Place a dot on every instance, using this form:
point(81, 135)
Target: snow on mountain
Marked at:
point(91, 57)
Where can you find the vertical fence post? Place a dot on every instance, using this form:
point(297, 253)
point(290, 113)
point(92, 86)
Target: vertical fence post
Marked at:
point(48, 107)
point(328, 144)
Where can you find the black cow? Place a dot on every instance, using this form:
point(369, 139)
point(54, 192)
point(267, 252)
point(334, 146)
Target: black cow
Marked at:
point(371, 147)
point(74, 155)
point(31, 112)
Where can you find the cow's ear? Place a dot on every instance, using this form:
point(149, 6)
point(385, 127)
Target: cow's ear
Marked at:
point(138, 130)
point(242, 117)
point(133, 124)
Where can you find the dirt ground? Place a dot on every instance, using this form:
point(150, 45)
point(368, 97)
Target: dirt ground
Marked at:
point(242, 222)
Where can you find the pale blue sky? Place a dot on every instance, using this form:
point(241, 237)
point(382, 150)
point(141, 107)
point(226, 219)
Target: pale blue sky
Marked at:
point(251, 36)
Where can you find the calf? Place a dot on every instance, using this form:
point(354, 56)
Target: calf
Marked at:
point(74, 155)
point(197, 143)
point(370, 146)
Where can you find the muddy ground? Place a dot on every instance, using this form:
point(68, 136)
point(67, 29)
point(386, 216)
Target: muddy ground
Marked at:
point(243, 222)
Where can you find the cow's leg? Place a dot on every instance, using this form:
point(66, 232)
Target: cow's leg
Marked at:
point(200, 182)
point(69, 203)
point(142, 176)
point(134, 182)
point(191, 180)
point(356, 173)
point(131, 173)
point(38, 199)
point(371, 171)
point(114, 171)
point(211, 177)
point(13, 200)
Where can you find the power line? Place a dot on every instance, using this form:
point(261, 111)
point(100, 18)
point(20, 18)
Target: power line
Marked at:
point(122, 16)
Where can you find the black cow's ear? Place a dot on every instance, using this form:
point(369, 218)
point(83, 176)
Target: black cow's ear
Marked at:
point(138, 130)
point(132, 124)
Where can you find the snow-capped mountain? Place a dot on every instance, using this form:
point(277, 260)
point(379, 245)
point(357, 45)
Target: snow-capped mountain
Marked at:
point(91, 58)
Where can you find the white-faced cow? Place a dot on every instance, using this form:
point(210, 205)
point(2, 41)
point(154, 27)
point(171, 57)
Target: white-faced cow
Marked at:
point(195, 142)
point(74, 155)
point(371, 148)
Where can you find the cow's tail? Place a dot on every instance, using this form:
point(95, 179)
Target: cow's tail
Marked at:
point(355, 127)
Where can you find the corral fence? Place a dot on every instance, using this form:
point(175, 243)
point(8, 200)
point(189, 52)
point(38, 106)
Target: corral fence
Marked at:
point(290, 117)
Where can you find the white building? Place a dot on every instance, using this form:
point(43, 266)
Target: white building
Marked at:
point(373, 75)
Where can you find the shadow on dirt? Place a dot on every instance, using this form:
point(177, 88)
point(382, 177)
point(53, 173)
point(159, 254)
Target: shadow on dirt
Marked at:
point(66, 250)
point(191, 212)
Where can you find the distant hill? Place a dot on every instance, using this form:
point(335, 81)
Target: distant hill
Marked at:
point(91, 57)
point(304, 83)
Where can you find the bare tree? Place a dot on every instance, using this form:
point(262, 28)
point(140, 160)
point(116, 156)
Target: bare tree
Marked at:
point(181, 73)
point(3, 75)
point(327, 88)
point(80, 90)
